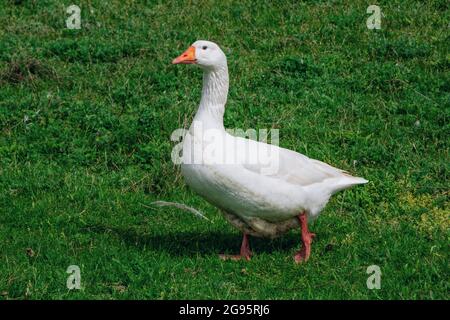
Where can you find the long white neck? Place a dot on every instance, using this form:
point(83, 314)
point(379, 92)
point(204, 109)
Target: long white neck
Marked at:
point(214, 97)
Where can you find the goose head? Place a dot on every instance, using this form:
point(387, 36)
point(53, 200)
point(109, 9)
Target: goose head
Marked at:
point(205, 54)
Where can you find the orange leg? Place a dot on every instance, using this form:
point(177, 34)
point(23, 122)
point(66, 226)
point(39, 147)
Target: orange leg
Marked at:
point(244, 254)
point(303, 254)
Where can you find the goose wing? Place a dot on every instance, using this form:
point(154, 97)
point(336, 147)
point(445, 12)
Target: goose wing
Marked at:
point(285, 164)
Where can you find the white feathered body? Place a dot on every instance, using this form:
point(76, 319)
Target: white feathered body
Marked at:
point(265, 192)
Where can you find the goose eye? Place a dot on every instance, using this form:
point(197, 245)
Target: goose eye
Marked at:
point(204, 47)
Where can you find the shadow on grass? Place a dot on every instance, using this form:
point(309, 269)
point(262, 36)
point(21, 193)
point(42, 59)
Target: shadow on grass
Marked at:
point(189, 243)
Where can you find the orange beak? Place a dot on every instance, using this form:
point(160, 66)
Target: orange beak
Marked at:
point(187, 57)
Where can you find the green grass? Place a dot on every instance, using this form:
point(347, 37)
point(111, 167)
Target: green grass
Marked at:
point(86, 117)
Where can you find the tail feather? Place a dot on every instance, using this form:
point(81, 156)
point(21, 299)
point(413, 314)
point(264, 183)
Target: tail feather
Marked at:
point(345, 183)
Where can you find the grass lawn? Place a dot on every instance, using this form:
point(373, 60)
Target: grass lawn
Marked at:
point(86, 117)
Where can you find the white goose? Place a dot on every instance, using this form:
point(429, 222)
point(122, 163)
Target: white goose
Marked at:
point(281, 190)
